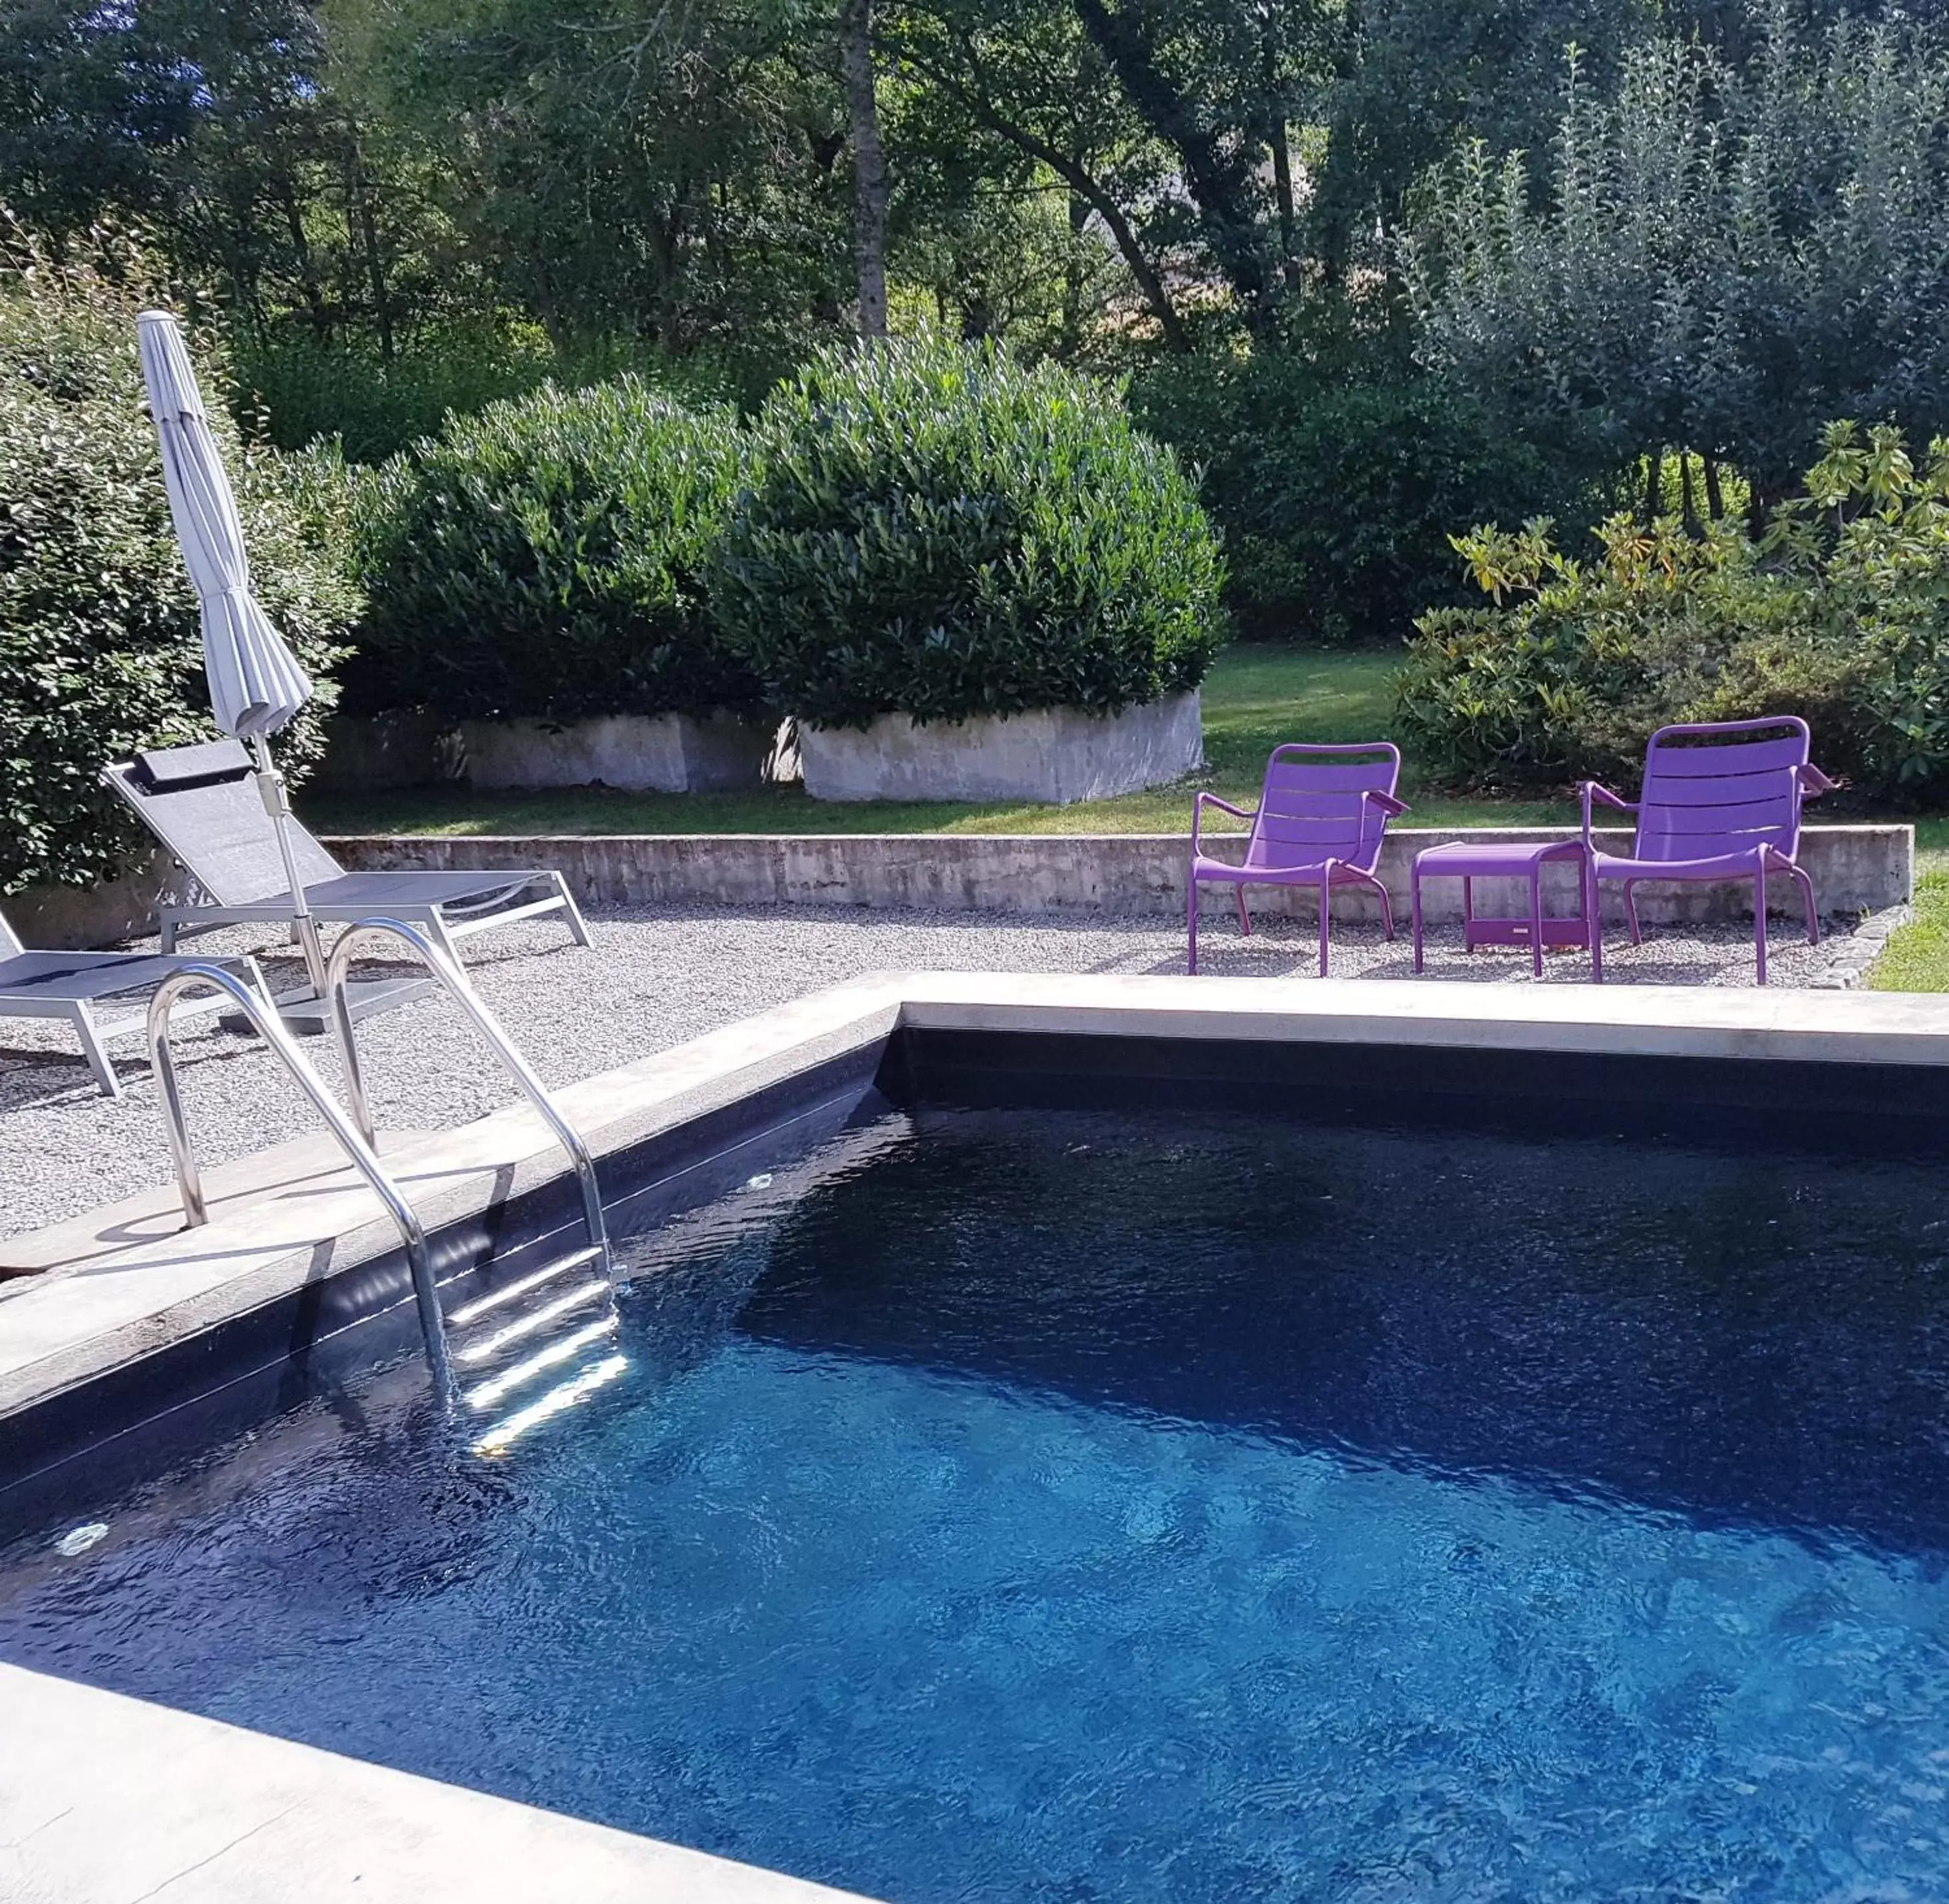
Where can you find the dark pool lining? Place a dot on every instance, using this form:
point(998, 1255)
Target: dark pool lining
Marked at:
point(170, 1404)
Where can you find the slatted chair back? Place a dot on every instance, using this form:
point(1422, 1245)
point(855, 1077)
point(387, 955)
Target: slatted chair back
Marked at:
point(1314, 807)
point(1726, 797)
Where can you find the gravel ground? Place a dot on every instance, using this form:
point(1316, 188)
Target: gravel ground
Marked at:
point(656, 977)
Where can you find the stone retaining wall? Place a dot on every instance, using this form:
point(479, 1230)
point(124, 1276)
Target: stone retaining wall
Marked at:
point(1053, 756)
point(1855, 870)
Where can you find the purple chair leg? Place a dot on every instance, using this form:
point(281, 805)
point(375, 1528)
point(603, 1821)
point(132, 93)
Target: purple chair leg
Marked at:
point(1387, 912)
point(1326, 909)
point(1414, 912)
point(1759, 916)
point(1467, 910)
point(1191, 922)
point(1806, 886)
point(1244, 917)
point(1631, 910)
point(1593, 903)
point(1536, 918)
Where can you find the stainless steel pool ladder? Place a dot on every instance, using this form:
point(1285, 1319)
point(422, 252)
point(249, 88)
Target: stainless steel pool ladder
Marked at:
point(538, 1323)
point(269, 1027)
point(529, 1327)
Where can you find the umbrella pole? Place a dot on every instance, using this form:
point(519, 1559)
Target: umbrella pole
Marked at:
point(271, 791)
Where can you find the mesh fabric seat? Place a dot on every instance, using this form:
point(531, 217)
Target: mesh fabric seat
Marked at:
point(202, 804)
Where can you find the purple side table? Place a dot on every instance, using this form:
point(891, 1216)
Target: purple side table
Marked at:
point(1468, 864)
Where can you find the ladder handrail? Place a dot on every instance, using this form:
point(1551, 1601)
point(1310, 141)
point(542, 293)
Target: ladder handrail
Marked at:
point(455, 981)
point(355, 1144)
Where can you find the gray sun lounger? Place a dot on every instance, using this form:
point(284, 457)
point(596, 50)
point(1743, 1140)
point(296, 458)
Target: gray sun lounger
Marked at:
point(70, 985)
point(203, 803)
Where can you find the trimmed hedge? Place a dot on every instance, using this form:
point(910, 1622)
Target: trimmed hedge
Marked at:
point(544, 558)
point(100, 646)
point(938, 530)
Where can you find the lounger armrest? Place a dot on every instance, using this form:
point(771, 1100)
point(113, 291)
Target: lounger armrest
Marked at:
point(1813, 782)
point(1205, 799)
point(1387, 803)
point(1593, 791)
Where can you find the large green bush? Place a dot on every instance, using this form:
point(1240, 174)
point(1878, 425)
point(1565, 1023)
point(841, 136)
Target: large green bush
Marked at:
point(1336, 495)
point(1841, 614)
point(545, 558)
point(101, 649)
point(939, 530)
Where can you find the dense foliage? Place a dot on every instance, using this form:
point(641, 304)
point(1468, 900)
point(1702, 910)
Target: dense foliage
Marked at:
point(101, 648)
point(545, 558)
point(1336, 496)
point(940, 530)
point(1722, 256)
point(1841, 614)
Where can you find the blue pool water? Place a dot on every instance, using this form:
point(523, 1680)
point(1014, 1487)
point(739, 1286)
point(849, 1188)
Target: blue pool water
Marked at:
point(1090, 1507)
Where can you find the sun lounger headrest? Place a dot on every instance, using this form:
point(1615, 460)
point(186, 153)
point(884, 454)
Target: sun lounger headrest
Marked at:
point(171, 770)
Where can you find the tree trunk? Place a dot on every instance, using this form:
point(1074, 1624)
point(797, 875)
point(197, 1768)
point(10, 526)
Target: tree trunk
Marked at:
point(869, 163)
point(1276, 138)
point(1654, 485)
point(1689, 506)
point(314, 292)
point(1715, 500)
point(361, 202)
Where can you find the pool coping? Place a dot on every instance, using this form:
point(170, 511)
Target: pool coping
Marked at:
point(107, 1799)
point(104, 1798)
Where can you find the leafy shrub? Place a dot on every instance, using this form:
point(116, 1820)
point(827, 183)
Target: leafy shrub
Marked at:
point(545, 558)
point(100, 647)
point(1335, 497)
point(1841, 614)
point(937, 529)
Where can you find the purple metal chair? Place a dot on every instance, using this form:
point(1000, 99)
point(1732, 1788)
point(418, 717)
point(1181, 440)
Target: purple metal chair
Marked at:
point(1726, 810)
point(1322, 814)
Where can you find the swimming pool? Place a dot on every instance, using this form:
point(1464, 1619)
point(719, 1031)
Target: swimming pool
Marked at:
point(1129, 1504)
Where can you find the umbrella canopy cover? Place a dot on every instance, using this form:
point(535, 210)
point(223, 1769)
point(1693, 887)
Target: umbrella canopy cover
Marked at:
point(256, 684)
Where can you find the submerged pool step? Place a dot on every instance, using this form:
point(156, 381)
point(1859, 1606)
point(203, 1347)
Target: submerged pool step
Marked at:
point(472, 1353)
point(522, 1285)
point(497, 1387)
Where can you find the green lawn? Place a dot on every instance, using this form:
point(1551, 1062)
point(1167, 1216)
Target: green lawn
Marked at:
point(1254, 698)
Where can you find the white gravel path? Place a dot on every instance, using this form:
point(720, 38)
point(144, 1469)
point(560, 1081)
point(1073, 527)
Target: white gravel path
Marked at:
point(654, 978)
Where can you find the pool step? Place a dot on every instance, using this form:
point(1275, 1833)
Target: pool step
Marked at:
point(522, 1285)
point(552, 1329)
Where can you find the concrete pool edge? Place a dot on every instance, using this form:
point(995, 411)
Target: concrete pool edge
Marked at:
point(107, 1799)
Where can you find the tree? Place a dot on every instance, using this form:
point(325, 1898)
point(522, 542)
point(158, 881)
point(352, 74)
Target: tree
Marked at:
point(1717, 260)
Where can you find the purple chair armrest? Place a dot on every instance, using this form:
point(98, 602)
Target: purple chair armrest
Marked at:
point(1211, 799)
point(1387, 803)
point(1593, 791)
point(1813, 782)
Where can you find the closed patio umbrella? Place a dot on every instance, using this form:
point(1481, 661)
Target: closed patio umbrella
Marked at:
point(257, 687)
